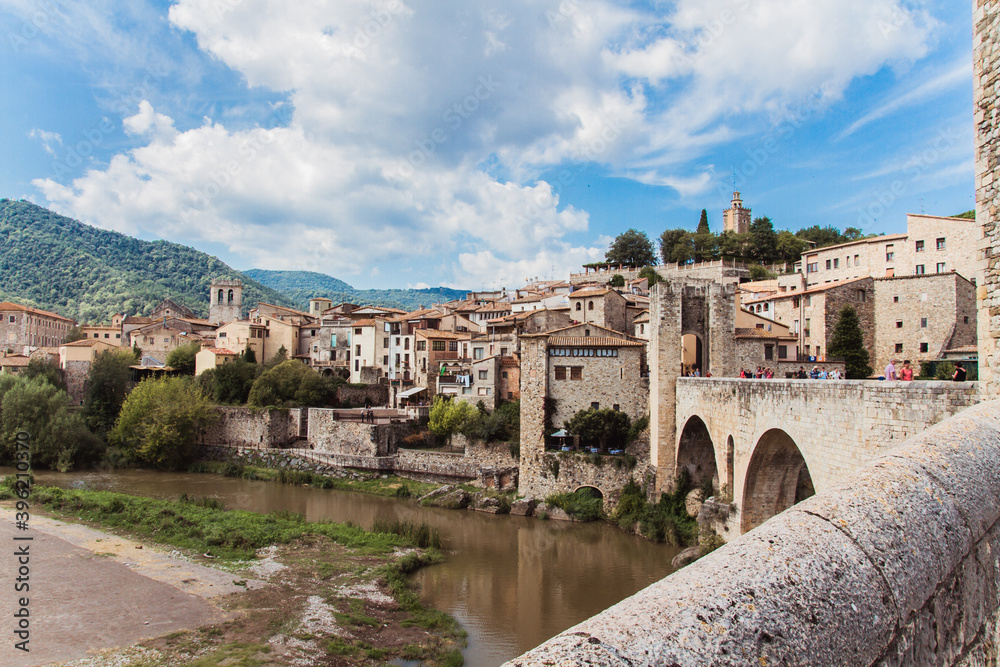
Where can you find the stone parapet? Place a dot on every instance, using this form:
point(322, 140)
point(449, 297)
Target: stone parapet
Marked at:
point(897, 566)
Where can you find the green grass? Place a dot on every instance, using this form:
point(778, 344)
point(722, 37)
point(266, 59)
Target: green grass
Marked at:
point(233, 655)
point(420, 534)
point(584, 504)
point(200, 525)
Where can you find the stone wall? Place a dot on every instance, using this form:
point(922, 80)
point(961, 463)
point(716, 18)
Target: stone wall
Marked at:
point(75, 374)
point(435, 465)
point(607, 381)
point(258, 429)
point(860, 295)
point(355, 396)
point(898, 566)
point(327, 434)
point(986, 79)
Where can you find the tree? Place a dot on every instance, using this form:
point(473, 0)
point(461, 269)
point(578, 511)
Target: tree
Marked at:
point(668, 239)
point(44, 369)
point(631, 248)
point(107, 386)
point(706, 246)
point(732, 244)
point(600, 427)
point(703, 227)
point(59, 438)
point(74, 334)
point(449, 417)
point(790, 247)
point(181, 358)
point(290, 383)
point(232, 382)
point(758, 272)
point(160, 421)
point(617, 280)
point(280, 357)
point(684, 250)
point(651, 276)
point(249, 355)
point(765, 241)
point(848, 341)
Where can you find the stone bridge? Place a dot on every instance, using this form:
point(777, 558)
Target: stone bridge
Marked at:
point(768, 444)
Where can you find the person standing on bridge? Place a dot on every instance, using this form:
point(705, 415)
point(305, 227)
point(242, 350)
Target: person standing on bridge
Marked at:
point(906, 372)
point(890, 370)
point(960, 372)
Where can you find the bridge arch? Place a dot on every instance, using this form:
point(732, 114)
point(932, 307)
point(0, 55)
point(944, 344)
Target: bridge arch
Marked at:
point(592, 491)
point(777, 477)
point(696, 453)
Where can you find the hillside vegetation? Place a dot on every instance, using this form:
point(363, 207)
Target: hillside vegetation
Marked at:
point(56, 263)
point(300, 286)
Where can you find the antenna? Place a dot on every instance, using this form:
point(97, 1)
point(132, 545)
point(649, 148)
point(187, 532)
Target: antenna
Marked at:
point(734, 177)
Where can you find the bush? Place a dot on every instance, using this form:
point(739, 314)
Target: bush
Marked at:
point(664, 521)
point(290, 384)
point(584, 504)
point(600, 427)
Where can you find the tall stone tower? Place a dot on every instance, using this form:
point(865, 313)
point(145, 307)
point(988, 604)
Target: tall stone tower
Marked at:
point(225, 300)
point(736, 218)
point(986, 79)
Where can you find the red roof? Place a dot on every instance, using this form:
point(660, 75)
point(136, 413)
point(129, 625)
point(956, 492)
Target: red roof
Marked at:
point(8, 306)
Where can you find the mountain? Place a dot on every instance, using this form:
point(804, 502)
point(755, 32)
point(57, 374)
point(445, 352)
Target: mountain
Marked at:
point(300, 286)
point(56, 263)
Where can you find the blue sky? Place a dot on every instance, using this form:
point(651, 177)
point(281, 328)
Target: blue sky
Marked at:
point(422, 142)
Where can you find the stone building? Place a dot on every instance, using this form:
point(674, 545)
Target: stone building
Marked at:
point(986, 78)
point(211, 358)
point(510, 379)
point(23, 329)
point(812, 314)
point(239, 335)
point(736, 218)
point(932, 244)
point(591, 367)
point(603, 306)
point(109, 333)
point(921, 317)
point(225, 302)
point(74, 360)
point(161, 337)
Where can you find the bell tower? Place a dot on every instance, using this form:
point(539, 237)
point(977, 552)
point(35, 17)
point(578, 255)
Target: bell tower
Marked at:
point(736, 219)
point(225, 298)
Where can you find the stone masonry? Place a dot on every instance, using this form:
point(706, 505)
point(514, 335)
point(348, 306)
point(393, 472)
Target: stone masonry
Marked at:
point(986, 85)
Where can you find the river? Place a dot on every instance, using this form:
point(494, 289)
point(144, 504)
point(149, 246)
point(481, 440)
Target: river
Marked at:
point(511, 582)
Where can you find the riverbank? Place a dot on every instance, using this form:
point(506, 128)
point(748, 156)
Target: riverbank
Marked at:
point(292, 592)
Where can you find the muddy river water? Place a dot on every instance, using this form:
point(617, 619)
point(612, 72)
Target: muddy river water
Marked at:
point(511, 582)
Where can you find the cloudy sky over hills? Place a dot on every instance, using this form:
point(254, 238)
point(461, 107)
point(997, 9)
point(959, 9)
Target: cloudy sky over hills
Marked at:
point(411, 142)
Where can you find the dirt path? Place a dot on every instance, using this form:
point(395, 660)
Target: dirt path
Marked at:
point(91, 590)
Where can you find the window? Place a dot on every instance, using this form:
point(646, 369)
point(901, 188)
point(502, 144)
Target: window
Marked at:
point(357, 331)
point(795, 327)
point(357, 365)
point(406, 358)
point(812, 268)
point(782, 351)
point(477, 353)
point(809, 301)
point(918, 246)
point(966, 319)
point(807, 327)
point(385, 343)
point(504, 375)
point(918, 270)
point(616, 407)
point(107, 335)
point(437, 345)
point(576, 373)
point(466, 390)
point(836, 263)
point(453, 346)
point(357, 350)
point(96, 335)
point(895, 299)
point(11, 319)
point(940, 243)
point(590, 305)
point(312, 332)
point(385, 360)
point(595, 405)
point(861, 296)
point(923, 322)
point(857, 260)
point(586, 333)
point(579, 306)
point(765, 307)
point(484, 375)
point(421, 346)
point(795, 302)
point(406, 343)
point(899, 347)
point(940, 267)
point(560, 372)
point(828, 263)
point(899, 324)
point(889, 256)
point(768, 352)
point(923, 347)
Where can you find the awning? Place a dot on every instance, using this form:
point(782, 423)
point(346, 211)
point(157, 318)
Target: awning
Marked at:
point(410, 392)
point(561, 433)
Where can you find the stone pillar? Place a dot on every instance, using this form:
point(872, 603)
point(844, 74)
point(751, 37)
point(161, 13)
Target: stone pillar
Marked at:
point(721, 329)
point(534, 389)
point(664, 368)
point(986, 79)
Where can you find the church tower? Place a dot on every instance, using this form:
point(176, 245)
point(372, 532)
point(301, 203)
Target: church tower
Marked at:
point(737, 218)
point(225, 299)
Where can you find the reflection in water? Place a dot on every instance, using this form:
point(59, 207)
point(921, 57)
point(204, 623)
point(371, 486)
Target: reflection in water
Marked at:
point(511, 582)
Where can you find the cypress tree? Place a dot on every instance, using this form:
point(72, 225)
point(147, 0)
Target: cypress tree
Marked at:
point(848, 341)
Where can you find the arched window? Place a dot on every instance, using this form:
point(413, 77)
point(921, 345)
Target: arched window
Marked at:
point(220, 297)
point(590, 305)
point(579, 306)
point(230, 297)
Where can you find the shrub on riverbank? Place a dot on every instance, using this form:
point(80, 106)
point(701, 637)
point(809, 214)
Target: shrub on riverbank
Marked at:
point(585, 504)
point(664, 521)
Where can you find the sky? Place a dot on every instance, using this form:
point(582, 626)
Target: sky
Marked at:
point(475, 144)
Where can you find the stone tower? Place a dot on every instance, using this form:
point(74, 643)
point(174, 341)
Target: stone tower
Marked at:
point(736, 219)
point(986, 79)
point(225, 300)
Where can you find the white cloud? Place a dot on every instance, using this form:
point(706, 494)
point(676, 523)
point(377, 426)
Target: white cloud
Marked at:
point(49, 140)
point(397, 102)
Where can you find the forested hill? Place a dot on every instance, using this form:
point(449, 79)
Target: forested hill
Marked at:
point(56, 263)
point(301, 286)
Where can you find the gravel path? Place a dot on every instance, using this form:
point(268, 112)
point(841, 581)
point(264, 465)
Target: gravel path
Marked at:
point(91, 590)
